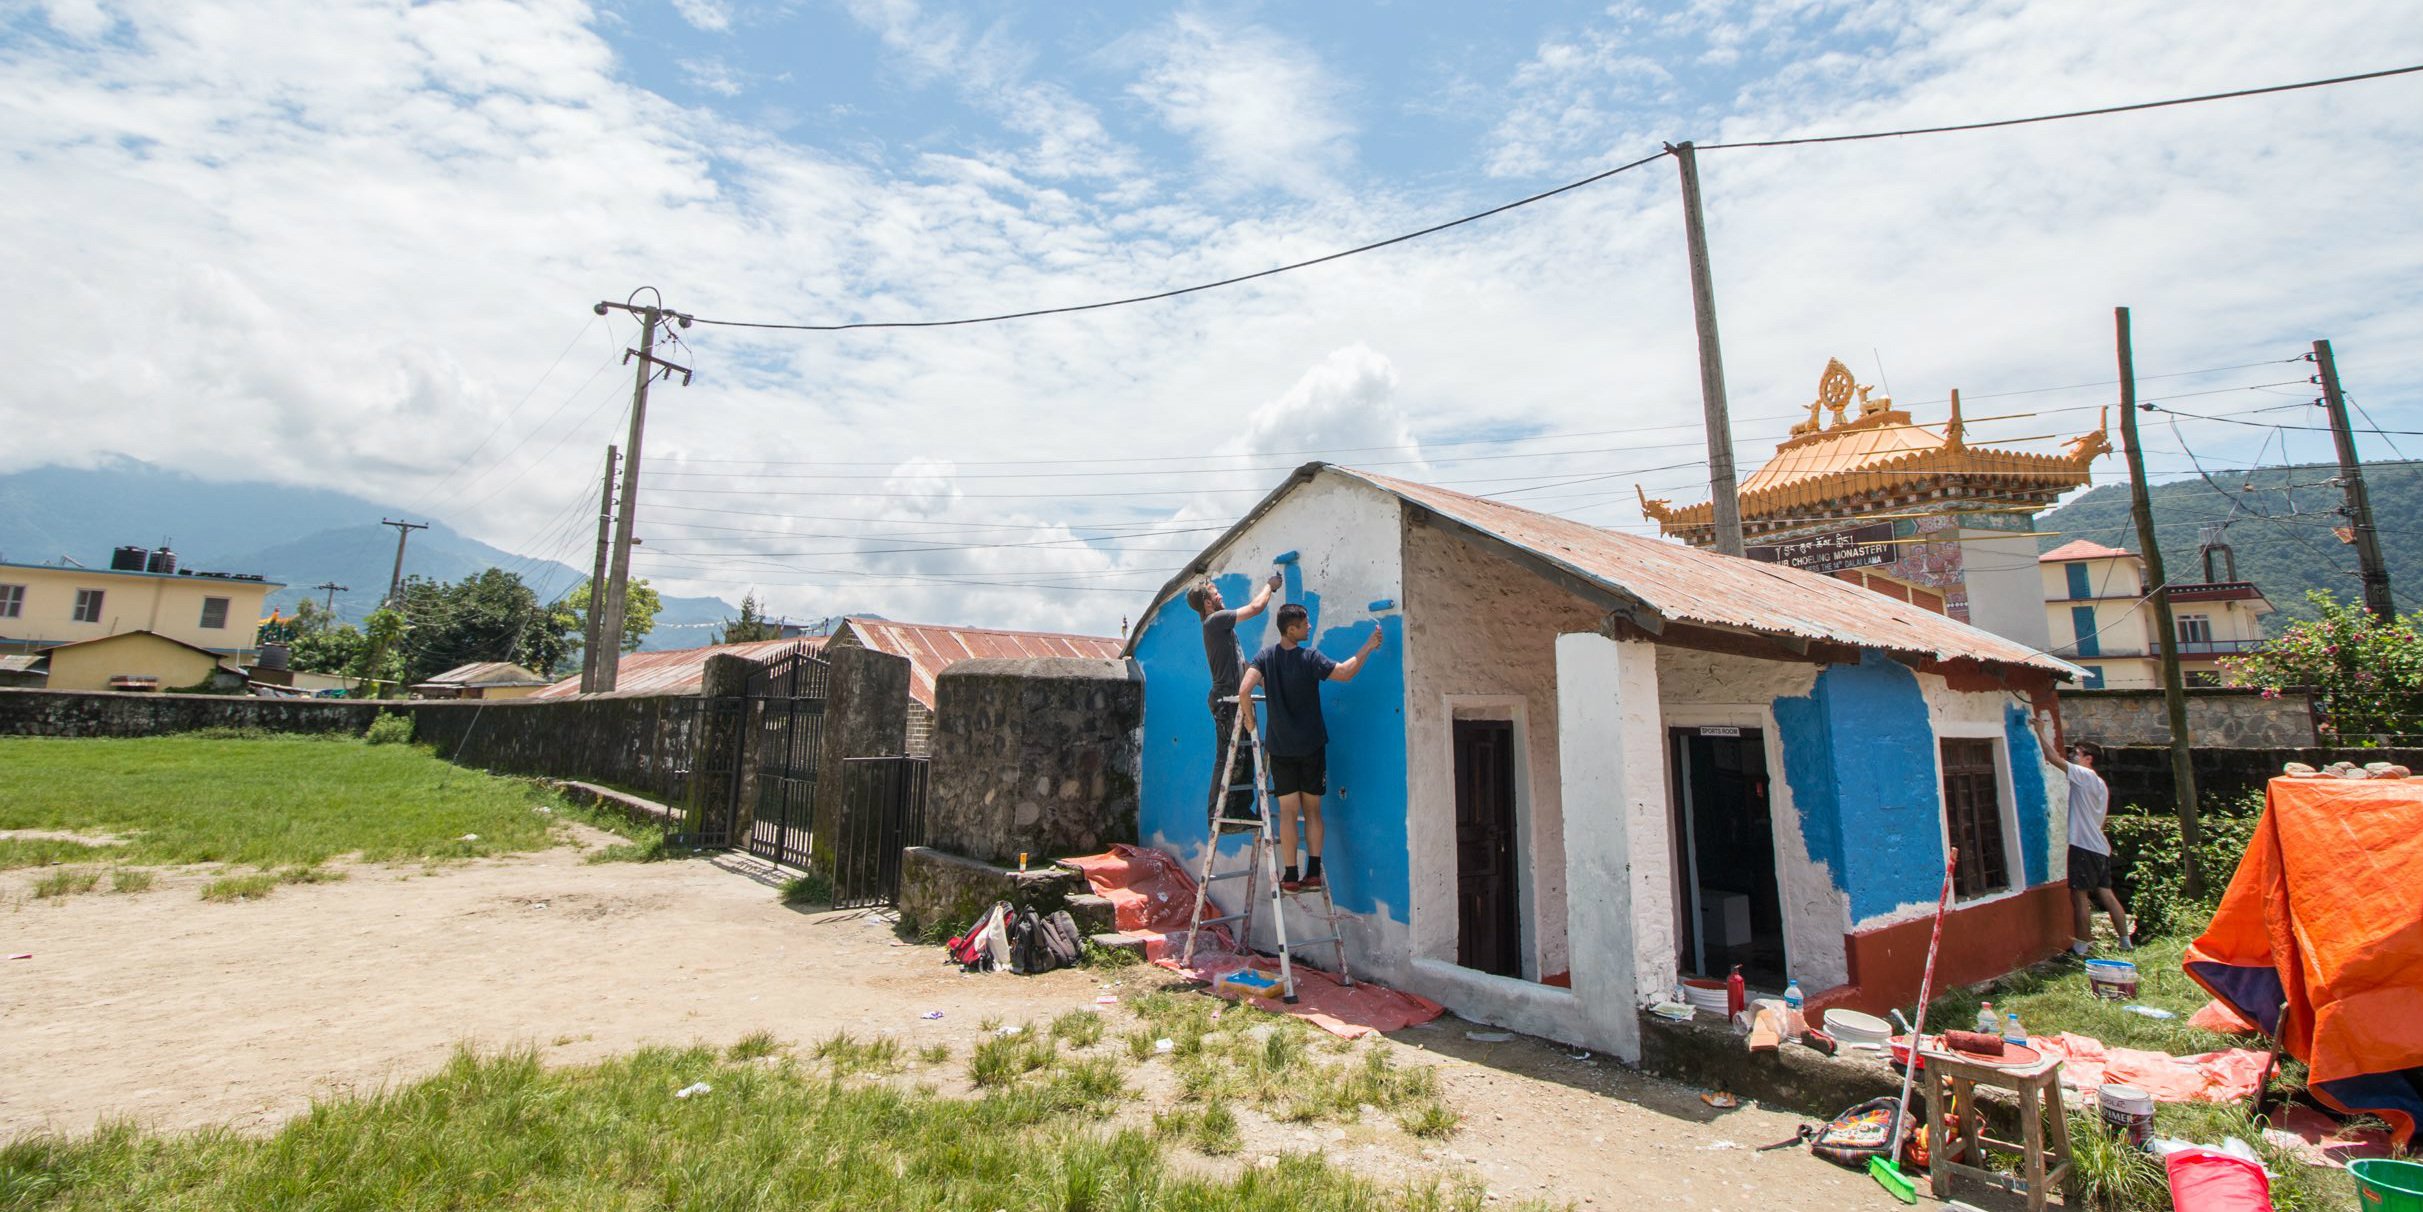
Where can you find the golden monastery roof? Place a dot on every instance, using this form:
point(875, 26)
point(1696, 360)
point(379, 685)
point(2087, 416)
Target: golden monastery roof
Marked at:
point(1881, 452)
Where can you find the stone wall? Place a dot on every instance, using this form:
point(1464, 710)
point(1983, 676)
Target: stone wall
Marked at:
point(77, 713)
point(2228, 716)
point(646, 744)
point(2141, 774)
point(1036, 755)
point(865, 715)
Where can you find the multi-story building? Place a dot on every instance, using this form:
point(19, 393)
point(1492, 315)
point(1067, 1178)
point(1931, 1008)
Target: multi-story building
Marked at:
point(2101, 618)
point(49, 606)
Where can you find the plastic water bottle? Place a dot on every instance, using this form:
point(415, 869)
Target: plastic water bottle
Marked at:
point(1792, 1003)
point(1988, 1022)
point(2013, 1033)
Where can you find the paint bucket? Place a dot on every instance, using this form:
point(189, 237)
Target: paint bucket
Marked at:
point(2128, 1111)
point(2387, 1185)
point(2112, 980)
point(1705, 995)
point(1855, 1030)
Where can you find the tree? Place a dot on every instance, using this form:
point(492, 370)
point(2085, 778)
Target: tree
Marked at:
point(640, 604)
point(751, 626)
point(327, 650)
point(2366, 675)
point(380, 660)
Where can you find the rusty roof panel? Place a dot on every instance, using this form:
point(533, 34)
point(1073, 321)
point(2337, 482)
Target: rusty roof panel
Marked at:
point(674, 670)
point(932, 648)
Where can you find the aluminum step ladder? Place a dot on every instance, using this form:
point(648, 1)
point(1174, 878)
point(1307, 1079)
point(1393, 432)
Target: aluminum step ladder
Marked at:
point(1260, 870)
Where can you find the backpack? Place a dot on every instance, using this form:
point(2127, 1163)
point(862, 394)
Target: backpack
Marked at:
point(1858, 1134)
point(985, 946)
point(1028, 955)
point(1062, 938)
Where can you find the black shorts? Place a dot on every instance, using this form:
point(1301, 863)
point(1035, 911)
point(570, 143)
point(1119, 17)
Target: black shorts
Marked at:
point(1307, 775)
point(2089, 870)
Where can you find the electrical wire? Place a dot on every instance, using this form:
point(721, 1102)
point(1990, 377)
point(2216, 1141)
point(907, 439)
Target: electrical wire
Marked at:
point(2064, 116)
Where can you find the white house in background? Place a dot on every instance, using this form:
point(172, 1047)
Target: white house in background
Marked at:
point(2095, 607)
point(1584, 762)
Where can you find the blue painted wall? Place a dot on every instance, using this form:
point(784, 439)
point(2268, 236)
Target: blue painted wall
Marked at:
point(1366, 851)
point(1859, 756)
point(2027, 791)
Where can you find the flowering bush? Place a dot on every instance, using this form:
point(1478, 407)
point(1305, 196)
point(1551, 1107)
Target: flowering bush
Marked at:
point(2366, 675)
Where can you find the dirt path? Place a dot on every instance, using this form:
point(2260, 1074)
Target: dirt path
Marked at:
point(180, 1013)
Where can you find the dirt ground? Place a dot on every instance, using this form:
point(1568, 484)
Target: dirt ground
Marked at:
point(180, 1013)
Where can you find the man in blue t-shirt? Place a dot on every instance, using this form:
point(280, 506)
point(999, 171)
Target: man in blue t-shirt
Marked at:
point(1290, 673)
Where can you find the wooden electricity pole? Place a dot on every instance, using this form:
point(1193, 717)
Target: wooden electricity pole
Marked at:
point(618, 571)
point(2174, 690)
point(395, 580)
point(1725, 499)
point(597, 578)
point(2359, 505)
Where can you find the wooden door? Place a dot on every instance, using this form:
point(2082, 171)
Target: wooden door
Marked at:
point(1489, 929)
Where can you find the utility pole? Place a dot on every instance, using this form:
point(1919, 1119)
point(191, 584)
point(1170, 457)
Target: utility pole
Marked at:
point(2174, 691)
point(618, 571)
point(597, 578)
point(329, 607)
point(1724, 495)
point(395, 580)
point(2359, 508)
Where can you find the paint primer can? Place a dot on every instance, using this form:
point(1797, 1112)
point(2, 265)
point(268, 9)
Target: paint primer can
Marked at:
point(2128, 1111)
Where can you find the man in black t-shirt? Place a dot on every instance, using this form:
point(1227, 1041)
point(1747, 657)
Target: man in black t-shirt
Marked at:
point(1221, 653)
point(1291, 673)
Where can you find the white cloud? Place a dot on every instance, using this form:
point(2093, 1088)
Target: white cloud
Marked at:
point(712, 75)
point(713, 16)
point(1261, 110)
point(84, 20)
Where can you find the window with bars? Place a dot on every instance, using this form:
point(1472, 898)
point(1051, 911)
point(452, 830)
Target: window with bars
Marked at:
point(214, 613)
point(88, 606)
point(1972, 805)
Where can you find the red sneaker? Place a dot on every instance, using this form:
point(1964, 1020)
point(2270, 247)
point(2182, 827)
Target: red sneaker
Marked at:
point(1291, 886)
point(1310, 883)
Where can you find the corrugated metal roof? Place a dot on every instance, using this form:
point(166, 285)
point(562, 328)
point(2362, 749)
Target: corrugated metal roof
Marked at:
point(488, 673)
point(932, 648)
point(1671, 582)
point(674, 670)
point(2082, 549)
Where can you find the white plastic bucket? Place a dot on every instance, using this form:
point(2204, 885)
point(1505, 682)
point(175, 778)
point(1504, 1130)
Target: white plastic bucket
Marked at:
point(2112, 980)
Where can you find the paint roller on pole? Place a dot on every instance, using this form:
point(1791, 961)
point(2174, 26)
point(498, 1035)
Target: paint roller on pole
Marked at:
point(1887, 1171)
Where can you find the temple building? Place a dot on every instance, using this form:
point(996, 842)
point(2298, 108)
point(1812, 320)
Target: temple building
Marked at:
point(1907, 510)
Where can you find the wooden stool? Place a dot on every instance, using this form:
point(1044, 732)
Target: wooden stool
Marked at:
point(2039, 1091)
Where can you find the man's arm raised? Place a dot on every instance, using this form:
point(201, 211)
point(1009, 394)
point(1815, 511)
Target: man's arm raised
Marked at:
point(1346, 670)
point(1261, 599)
point(2044, 741)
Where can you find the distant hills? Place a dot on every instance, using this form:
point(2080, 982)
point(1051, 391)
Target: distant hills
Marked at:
point(2279, 528)
point(301, 536)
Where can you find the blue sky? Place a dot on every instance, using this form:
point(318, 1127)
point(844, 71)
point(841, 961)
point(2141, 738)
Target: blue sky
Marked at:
point(357, 241)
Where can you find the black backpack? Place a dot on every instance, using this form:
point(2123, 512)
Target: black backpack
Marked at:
point(1061, 939)
point(1028, 955)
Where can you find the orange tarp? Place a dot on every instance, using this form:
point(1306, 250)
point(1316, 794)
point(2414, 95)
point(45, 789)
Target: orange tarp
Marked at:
point(2319, 940)
point(1151, 895)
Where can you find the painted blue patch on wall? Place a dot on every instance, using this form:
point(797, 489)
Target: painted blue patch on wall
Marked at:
point(1859, 755)
point(1176, 767)
point(2027, 790)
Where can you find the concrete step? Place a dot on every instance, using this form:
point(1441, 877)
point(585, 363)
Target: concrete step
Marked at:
point(1093, 913)
point(1122, 940)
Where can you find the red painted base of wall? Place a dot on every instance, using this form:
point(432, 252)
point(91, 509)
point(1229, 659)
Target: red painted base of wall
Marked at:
point(1980, 942)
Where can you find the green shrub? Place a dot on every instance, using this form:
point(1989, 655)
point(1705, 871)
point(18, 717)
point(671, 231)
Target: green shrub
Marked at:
point(389, 729)
point(813, 888)
point(2149, 868)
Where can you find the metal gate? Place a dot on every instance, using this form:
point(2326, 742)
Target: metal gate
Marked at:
point(882, 813)
point(787, 699)
point(702, 783)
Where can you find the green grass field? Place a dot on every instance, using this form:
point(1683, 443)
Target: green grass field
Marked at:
point(842, 1129)
point(289, 802)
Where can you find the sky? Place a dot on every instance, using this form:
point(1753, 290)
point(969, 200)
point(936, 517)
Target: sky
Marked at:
point(357, 244)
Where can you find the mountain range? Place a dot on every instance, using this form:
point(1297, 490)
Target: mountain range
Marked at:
point(279, 531)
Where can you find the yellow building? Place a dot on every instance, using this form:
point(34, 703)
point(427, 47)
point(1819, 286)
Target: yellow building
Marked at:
point(45, 606)
point(1911, 511)
point(2095, 608)
point(134, 660)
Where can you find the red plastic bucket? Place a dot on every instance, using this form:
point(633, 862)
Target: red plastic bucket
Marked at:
point(2205, 1181)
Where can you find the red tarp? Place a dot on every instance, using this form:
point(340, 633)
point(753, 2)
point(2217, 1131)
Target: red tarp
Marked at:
point(2319, 940)
point(2226, 1076)
point(1150, 895)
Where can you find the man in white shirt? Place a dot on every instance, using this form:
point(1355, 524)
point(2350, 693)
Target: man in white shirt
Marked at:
point(2090, 854)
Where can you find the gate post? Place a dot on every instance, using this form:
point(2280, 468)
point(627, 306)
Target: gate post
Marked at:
point(719, 760)
point(866, 714)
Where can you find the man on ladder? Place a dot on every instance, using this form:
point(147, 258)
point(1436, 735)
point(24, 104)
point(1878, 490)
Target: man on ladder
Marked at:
point(1297, 740)
point(1227, 663)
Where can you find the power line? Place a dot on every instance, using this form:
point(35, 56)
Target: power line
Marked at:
point(2075, 113)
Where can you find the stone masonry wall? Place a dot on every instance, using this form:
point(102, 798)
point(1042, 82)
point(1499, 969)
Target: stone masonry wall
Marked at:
point(76, 713)
point(1034, 755)
point(645, 744)
point(2141, 774)
point(2224, 716)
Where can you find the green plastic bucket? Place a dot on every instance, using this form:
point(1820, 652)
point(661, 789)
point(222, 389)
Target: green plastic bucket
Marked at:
point(2383, 1185)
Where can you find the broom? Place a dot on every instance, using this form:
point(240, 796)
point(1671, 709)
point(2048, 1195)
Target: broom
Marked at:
point(1887, 1170)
